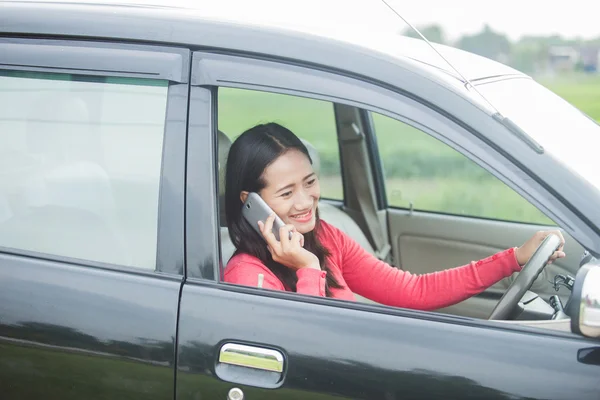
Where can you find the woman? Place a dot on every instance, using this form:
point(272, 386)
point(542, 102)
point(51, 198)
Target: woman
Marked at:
point(319, 259)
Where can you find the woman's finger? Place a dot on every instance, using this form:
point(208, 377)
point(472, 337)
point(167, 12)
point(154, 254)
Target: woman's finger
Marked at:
point(297, 239)
point(268, 223)
point(284, 237)
point(558, 254)
point(292, 231)
point(267, 232)
point(562, 240)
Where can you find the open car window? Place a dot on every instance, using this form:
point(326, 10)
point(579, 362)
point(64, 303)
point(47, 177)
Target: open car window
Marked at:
point(311, 120)
point(424, 174)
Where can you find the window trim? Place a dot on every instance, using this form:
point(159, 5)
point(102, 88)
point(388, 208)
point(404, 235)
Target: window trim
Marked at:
point(272, 297)
point(202, 227)
point(375, 158)
point(170, 235)
point(502, 156)
point(86, 58)
point(170, 246)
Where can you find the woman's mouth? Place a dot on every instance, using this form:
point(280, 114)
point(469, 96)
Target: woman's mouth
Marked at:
point(304, 217)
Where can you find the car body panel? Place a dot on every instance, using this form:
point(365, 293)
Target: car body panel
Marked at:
point(279, 23)
point(73, 332)
point(297, 327)
point(343, 352)
point(73, 328)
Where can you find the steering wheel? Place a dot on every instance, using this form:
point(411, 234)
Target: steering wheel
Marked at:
point(526, 277)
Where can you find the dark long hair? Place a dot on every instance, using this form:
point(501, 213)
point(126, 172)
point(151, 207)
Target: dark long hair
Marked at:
point(251, 153)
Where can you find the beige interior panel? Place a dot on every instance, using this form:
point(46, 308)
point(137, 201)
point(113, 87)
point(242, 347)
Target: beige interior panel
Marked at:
point(475, 307)
point(426, 242)
point(562, 325)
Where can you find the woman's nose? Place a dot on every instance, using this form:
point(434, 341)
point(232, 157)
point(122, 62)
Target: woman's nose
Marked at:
point(304, 200)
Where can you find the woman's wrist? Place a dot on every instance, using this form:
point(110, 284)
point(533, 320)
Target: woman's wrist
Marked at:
point(313, 265)
point(519, 261)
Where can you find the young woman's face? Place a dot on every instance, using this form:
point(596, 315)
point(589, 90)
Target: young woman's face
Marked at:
point(292, 190)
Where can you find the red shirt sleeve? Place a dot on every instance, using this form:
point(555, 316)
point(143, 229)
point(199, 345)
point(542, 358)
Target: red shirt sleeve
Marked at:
point(374, 279)
point(245, 270)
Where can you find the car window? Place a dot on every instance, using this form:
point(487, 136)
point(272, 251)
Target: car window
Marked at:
point(311, 120)
point(80, 166)
point(425, 174)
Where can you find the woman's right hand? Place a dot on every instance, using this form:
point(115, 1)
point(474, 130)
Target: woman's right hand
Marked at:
point(286, 251)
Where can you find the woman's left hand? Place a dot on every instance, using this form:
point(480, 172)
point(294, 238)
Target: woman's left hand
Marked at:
point(525, 252)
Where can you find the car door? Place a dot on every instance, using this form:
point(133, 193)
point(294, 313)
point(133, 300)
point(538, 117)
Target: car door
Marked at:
point(445, 210)
point(91, 228)
point(261, 344)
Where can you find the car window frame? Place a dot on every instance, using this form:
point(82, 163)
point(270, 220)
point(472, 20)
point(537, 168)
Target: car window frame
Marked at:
point(82, 58)
point(234, 69)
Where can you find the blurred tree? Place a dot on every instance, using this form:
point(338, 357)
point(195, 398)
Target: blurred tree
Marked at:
point(525, 57)
point(487, 43)
point(433, 33)
point(530, 54)
point(547, 41)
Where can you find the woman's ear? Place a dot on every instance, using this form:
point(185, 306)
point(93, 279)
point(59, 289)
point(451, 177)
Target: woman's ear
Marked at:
point(243, 196)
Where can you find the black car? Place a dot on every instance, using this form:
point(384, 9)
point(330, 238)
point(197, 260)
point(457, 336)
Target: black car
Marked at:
point(115, 124)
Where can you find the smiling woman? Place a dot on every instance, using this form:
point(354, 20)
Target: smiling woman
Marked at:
point(315, 258)
point(279, 168)
point(297, 196)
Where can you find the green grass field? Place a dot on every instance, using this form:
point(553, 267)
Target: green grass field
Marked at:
point(419, 169)
point(583, 91)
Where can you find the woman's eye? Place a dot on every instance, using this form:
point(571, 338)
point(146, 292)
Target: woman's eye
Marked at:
point(286, 194)
point(311, 182)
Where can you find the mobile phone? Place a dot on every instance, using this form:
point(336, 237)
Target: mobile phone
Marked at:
point(255, 209)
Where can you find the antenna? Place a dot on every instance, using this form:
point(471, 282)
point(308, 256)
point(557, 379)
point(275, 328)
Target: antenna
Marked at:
point(507, 122)
point(469, 84)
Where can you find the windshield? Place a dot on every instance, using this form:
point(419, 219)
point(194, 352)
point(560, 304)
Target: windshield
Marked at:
point(563, 130)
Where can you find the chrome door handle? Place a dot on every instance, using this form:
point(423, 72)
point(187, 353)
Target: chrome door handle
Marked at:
point(251, 357)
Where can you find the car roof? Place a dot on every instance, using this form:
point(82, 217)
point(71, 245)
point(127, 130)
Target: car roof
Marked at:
point(309, 20)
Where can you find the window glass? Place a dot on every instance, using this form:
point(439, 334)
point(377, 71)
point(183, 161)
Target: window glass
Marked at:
point(80, 165)
point(422, 172)
point(311, 120)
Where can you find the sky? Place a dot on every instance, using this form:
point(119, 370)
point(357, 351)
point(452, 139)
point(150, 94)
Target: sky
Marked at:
point(458, 17)
point(513, 17)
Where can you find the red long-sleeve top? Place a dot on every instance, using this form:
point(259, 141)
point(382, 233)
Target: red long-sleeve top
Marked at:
point(360, 272)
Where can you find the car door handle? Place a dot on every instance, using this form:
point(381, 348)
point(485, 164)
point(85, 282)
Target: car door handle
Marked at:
point(251, 357)
point(250, 365)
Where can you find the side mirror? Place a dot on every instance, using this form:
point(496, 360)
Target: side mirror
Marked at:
point(584, 304)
